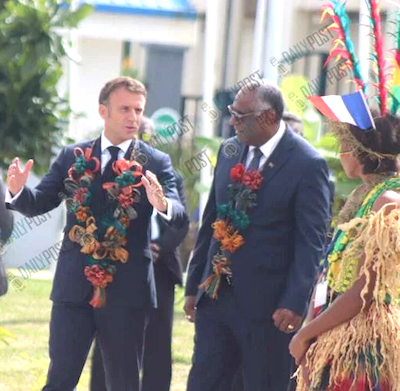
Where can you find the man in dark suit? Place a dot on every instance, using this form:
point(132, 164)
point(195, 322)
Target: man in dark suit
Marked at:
point(261, 303)
point(120, 324)
point(165, 239)
point(6, 227)
point(157, 360)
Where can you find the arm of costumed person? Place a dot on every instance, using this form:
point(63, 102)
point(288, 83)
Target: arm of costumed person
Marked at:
point(351, 302)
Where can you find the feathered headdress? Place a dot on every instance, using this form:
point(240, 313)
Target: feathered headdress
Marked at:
point(378, 55)
point(343, 49)
point(394, 91)
point(353, 108)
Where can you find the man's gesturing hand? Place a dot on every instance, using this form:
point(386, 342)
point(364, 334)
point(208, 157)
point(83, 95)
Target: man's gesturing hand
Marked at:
point(154, 191)
point(16, 176)
point(286, 320)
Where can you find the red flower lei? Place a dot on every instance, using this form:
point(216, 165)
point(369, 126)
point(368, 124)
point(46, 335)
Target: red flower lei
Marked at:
point(102, 253)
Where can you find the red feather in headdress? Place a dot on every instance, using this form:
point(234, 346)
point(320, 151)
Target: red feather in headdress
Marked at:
point(343, 47)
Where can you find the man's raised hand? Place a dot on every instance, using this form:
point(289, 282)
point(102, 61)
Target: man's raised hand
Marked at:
point(16, 176)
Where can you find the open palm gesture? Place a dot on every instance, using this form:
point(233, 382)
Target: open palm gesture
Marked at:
point(17, 176)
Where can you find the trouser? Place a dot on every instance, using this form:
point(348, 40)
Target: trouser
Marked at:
point(120, 332)
point(226, 339)
point(157, 358)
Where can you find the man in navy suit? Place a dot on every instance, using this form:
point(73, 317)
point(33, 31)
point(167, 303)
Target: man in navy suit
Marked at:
point(120, 324)
point(262, 303)
point(165, 239)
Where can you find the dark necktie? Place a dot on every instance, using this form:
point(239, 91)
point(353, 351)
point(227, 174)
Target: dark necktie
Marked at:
point(255, 162)
point(108, 173)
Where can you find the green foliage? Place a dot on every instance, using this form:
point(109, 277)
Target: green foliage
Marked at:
point(329, 148)
point(25, 359)
point(293, 89)
point(32, 114)
point(182, 152)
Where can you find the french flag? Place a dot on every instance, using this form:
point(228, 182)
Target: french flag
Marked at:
point(351, 109)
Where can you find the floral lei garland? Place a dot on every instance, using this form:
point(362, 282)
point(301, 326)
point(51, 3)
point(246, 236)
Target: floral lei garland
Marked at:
point(102, 253)
point(231, 220)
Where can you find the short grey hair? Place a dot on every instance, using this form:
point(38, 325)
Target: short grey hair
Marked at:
point(268, 96)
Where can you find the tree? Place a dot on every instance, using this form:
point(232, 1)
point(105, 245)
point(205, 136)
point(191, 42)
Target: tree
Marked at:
point(33, 116)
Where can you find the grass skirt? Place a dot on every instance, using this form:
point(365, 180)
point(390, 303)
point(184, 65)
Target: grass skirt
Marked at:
point(360, 355)
point(363, 354)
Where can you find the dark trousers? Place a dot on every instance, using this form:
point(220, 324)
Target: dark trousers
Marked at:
point(238, 383)
point(120, 331)
point(157, 358)
point(226, 339)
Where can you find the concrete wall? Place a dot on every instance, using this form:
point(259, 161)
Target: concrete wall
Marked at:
point(100, 61)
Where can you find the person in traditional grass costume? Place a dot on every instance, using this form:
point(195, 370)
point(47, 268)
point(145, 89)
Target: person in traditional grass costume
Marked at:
point(350, 341)
point(353, 341)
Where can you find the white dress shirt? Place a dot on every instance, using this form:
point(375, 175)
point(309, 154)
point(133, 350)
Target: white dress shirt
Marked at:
point(105, 153)
point(268, 147)
point(106, 156)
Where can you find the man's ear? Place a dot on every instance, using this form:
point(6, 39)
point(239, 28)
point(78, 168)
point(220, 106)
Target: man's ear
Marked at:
point(267, 118)
point(103, 111)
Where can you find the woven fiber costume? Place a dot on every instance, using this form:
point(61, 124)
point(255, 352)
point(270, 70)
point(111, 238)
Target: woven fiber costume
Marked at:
point(362, 354)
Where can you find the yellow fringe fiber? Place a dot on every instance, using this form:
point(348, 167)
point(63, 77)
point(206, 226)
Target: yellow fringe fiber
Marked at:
point(375, 332)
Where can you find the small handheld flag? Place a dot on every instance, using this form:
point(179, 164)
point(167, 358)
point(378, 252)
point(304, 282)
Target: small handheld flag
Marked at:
point(350, 108)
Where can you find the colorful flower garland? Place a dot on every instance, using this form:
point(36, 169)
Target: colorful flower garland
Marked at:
point(113, 226)
point(231, 220)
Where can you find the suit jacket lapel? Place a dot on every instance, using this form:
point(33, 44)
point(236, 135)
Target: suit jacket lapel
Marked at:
point(96, 149)
point(129, 150)
point(142, 154)
point(278, 158)
point(234, 152)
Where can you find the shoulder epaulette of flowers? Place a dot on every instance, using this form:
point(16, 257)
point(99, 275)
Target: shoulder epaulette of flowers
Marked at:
point(104, 243)
point(231, 220)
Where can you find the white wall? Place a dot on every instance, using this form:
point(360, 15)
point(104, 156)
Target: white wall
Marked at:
point(193, 61)
point(101, 58)
point(100, 62)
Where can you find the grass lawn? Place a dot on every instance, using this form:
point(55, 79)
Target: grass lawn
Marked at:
point(24, 361)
